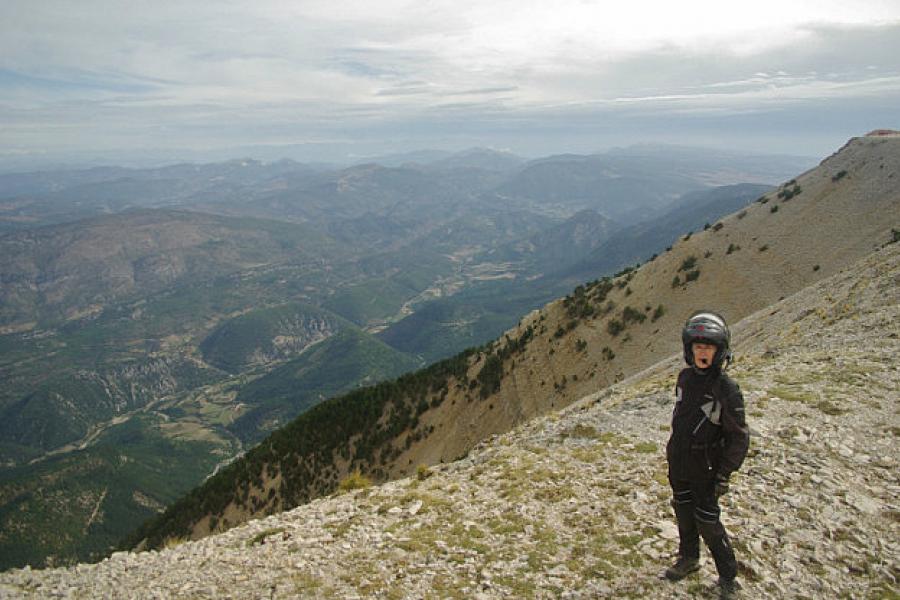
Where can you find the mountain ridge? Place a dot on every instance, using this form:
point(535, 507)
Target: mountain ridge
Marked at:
point(575, 503)
point(168, 399)
point(594, 337)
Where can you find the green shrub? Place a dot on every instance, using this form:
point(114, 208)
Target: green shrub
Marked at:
point(659, 312)
point(602, 289)
point(490, 375)
point(788, 192)
point(840, 175)
point(692, 276)
point(423, 472)
point(774, 208)
point(830, 409)
point(676, 281)
point(615, 327)
point(732, 248)
point(688, 263)
point(607, 353)
point(262, 535)
point(354, 481)
point(632, 315)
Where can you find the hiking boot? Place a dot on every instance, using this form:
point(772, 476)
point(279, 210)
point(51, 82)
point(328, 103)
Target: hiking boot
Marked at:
point(682, 568)
point(728, 589)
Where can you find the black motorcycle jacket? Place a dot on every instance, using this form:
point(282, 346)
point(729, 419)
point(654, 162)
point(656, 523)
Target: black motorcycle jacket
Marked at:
point(709, 436)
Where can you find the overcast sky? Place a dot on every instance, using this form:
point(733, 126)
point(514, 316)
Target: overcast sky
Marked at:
point(342, 79)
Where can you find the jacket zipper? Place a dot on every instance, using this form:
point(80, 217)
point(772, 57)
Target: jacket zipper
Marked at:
point(693, 433)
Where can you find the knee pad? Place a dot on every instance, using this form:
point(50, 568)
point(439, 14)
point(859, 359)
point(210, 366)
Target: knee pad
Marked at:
point(707, 515)
point(711, 532)
point(682, 497)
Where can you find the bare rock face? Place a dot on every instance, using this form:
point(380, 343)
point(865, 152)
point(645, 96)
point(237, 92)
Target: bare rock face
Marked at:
point(575, 504)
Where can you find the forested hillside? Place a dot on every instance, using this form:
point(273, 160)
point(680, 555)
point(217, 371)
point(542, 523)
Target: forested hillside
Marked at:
point(576, 502)
point(810, 227)
point(187, 311)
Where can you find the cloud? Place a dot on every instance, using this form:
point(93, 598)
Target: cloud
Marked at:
point(207, 74)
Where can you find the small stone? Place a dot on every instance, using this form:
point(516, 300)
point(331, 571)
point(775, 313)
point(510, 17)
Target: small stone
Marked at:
point(667, 530)
point(864, 503)
point(795, 501)
point(559, 571)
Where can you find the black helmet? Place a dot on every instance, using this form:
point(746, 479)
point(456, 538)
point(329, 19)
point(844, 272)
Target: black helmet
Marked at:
point(709, 327)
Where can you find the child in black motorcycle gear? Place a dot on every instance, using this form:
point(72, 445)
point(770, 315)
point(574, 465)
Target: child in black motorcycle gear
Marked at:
point(709, 441)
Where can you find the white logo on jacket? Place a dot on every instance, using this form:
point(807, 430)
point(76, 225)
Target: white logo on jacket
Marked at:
point(712, 410)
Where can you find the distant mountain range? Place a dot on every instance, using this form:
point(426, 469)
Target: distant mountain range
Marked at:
point(804, 230)
point(157, 323)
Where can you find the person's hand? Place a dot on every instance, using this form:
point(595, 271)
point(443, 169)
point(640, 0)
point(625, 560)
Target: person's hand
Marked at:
point(721, 485)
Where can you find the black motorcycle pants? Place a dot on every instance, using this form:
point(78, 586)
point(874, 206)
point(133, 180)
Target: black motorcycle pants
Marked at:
point(697, 513)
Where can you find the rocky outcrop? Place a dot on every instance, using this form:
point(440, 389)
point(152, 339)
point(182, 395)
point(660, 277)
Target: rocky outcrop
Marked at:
point(575, 504)
point(266, 336)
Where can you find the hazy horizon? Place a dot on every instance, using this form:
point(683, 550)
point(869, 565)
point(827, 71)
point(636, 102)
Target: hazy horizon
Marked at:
point(423, 156)
point(318, 81)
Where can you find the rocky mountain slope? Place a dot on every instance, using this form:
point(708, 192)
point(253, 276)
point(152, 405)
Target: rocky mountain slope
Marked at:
point(136, 331)
point(575, 504)
point(807, 229)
